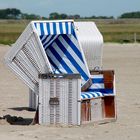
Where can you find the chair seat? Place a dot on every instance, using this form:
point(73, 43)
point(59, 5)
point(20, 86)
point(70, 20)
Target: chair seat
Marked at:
point(90, 95)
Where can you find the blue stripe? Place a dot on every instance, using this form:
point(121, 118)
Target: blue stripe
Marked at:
point(54, 65)
point(54, 28)
point(75, 64)
point(83, 96)
point(67, 28)
point(35, 25)
point(60, 27)
point(48, 28)
point(74, 35)
point(43, 40)
point(41, 37)
point(72, 31)
point(42, 29)
point(97, 80)
point(58, 57)
point(101, 90)
point(74, 48)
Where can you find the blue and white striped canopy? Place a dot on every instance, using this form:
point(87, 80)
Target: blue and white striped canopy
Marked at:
point(54, 28)
point(97, 89)
point(62, 48)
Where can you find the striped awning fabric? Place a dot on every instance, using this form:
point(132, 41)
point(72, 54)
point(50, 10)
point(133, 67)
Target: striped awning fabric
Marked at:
point(54, 28)
point(97, 89)
point(62, 48)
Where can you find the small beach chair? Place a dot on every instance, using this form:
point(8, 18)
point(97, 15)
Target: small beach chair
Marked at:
point(55, 49)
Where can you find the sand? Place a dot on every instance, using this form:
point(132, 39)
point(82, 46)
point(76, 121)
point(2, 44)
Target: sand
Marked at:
point(124, 59)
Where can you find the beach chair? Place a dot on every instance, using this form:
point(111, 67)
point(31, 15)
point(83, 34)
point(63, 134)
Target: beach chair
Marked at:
point(91, 41)
point(47, 57)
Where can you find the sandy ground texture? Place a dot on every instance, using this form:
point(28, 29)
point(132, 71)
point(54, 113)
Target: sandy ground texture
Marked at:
point(125, 59)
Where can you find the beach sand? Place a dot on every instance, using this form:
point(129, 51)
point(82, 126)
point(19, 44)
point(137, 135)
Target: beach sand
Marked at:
point(123, 58)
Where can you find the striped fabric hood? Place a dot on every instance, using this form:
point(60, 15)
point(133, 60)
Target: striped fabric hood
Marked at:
point(62, 48)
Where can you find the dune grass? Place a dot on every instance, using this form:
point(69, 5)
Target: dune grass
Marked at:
point(10, 30)
point(121, 31)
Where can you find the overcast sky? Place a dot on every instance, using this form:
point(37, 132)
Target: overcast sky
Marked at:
point(81, 7)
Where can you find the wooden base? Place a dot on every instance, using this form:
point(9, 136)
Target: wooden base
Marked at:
point(98, 110)
point(109, 107)
point(86, 111)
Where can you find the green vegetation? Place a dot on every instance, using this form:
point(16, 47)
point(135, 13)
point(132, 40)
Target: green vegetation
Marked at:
point(13, 13)
point(120, 30)
point(125, 29)
point(10, 30)
point(9, 13)
point(131, 15)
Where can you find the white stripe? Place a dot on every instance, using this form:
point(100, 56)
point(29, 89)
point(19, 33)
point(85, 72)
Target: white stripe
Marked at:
point(38, 28)
point(64, 27)
point(97, 76)
point(45, 28)
point(97, 86)
point(64, 57)
point(57, 28)
point(96, 95)
point(53, 58)
point(69, 27)
point(70, 50)
point(51, 28)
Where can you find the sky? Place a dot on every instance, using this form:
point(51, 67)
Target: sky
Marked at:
point(82, 7)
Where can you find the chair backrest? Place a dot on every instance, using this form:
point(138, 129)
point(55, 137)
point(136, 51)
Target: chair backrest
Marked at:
point(99, 85)
point(91, 41)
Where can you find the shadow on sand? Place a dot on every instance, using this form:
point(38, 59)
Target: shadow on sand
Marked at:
point(22, 109)
point(14, 120)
